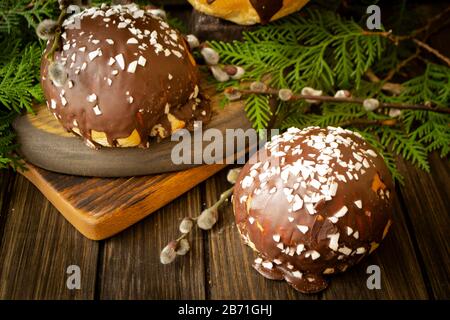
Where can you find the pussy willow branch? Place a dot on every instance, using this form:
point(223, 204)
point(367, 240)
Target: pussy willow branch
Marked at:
point(57, 38)
point(383, 105)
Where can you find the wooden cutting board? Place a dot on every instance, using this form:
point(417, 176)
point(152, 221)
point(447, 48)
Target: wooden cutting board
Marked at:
point(102, 207)
point(130, 184)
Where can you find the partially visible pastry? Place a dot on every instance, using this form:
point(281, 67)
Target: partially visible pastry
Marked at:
point(123, 75)
point(248, 12)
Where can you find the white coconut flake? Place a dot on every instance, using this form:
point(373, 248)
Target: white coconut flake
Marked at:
point(120, 61)
point(349, 231)
point(276, 237)
point(372, 153)
point(91, 97)
point(251, 220)
point(142, 61)
point(298, 203)
point(300, 248)
point(247, 182)
point(110, 41)
point(303, 229)
point(342, 211)
point(132, 67)
point(345, 250)
point(360, 250)
point(334, 241)
point(94, 54)
point(132, 41)
point(358, 203)
point(97, 111)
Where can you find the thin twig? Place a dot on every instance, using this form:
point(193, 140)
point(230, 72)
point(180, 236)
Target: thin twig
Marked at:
point(383, 105)
point(432, 51)
point(401, 65)
point(363, 122)
point(430, 22)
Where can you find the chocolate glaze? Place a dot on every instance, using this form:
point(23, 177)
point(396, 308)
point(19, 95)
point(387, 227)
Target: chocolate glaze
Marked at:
point(266, 9)
point(163, 81)
point(299, 245)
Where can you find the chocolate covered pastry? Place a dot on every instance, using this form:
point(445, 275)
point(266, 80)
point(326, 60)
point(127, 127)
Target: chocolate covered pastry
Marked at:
point(122, 75)
point(248, 12)
point(312, 203)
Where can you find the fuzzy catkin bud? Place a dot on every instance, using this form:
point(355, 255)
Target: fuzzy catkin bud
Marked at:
point(258, 86)
point(168, 254)
point(342, 94)
point(192, 41)
point(186, 225)
point(219, 74)
point(394, 113)
point(207, 218)
point(308, 91)
point(210, 55)
point(285, 94)
point(371, 104)
point(57, 74)
point(235, 72)
point(233, 174)
point(183, 247)
point(232, 94)
point(46, 29)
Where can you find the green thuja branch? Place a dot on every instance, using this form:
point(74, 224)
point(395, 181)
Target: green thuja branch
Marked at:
point(19, 66)
point(324, 51)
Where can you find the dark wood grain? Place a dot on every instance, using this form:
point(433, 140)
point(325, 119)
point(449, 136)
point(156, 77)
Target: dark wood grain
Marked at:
point(427, 204)
point(401, 276)
point(6, 182)
point(37, 247)
point(229, 263)
point(130, 261)
point(102, 207)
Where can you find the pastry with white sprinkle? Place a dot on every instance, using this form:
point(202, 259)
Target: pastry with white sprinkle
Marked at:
point(311, 203)
point(122, 75)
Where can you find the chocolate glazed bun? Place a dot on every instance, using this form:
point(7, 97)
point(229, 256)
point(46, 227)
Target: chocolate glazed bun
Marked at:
point(312, 203)
point(124, 75)
point(248, 12)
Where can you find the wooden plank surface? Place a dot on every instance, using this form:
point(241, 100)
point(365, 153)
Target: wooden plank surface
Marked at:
point(426, 200)
point(37, 247)
point(130, 267)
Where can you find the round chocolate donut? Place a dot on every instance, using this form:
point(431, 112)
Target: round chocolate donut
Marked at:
point(313, 202)
point(121, 76)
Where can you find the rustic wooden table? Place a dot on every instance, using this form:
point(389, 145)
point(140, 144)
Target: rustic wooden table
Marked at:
point(37, 245)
